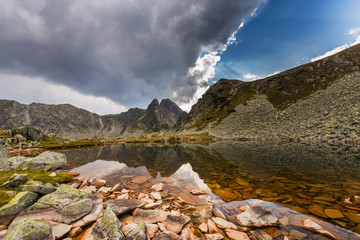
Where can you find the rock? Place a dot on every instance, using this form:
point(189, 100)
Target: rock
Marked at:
point(29, 133)
point(212, 227)
point(203, 227)
point(14, 180)
point(38, 187)
point(217, 212)
point(51, 160)
point(236, 235)
point(2, 227)
point(162, 227)
point(108, 226)
point(48, 161)
point(94, 215)
point(104, 191)
point(316, 228)
point(139, 232)
point(139, 179)
point(166, 236)
point(158, 187)
point(122, 206)
point(353, 217)
point(225, 195)
point(214, 236)
point(221, 223)
point(198, 192)
point(156, 195)
point(333, 213)
point(259, 234)
point(244, 208)
point(29, 229)
point(257, 217)
point(65, 205)
point(74, 232)
point(115, 188)
point(317, 210)
point(21, 201)
point(72, 173)
point(176, 223)
point(152, 229)
point(150, 216)
point(152, 205)
point(98, 182)
point(188, 234)
point(325, 198)
point(58, 229)
point(52, 174)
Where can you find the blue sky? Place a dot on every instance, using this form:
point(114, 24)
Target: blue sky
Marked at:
point(287, 33)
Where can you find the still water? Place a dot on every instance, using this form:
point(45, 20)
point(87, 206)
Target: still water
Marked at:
point(293, 180)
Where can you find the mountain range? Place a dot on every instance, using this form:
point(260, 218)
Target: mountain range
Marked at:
point(318, 101)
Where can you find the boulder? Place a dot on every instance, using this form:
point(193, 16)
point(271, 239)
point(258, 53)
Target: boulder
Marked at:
point(65, 205)
point(139, 232)
point(29, 132)
point(29, 229)
point(49, 161)
point(122, 206)
point(166, 236)
point(59, 229)
point(257, 217)
point(20, 138)
point(38, 187)
point(94, 215)
point(21, 201)
point(176, 223)
point(14, 180)
point(108, 226)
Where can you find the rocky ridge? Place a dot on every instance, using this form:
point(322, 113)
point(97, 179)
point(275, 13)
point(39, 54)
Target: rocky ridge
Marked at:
point(67, 121)
point(317, 101)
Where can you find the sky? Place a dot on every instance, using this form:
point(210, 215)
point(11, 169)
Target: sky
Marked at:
point(110, 55)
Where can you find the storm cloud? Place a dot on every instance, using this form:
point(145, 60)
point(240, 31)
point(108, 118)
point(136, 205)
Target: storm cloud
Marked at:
point(128, 51)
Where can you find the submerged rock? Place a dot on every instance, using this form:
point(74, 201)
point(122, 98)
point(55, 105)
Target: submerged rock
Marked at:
point(29, 229)
point(14, 180)
point(236, 235)
point(176, 223)
point(108, 227)
point(259, 234)
point(21, 201)
point(150, 216)
point(257, 217)
point(139, 232)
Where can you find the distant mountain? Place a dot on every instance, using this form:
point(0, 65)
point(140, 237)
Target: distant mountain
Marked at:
point(318, 100)
point(65, 120)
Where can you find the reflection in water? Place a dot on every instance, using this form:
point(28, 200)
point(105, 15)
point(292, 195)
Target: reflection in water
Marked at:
point(306, 178)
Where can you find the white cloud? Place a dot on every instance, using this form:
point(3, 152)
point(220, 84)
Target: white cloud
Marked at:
point(355, 32)
point(250, 76)
point(27, 90)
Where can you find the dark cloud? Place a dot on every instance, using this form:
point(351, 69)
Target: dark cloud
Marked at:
point(130, 51)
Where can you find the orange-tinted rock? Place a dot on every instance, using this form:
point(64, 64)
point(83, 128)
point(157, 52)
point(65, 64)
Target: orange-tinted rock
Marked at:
point(204, 227)
point(333, 213)
point(317, 210)
point(236, 235)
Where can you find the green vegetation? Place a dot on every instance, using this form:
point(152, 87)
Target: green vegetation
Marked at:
point(36, 175)
point(172, 139)
point(59, 143)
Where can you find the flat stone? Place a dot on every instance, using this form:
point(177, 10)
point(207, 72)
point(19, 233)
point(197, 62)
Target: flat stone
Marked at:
point(31, 229)
point(98, 182)
point(139, 179)
point(156, 195)
point(166, 236)
point(333, 213)
point(188, 234)
point(122, 206)
point(74, 232)
point(317, 210)
point(217, 212)
point(325, 198)
point(104, 191)
point(259, 234)
point(203, 227)
point(214, 236)
point(116, 188)
point(59, 229)
point(198, 192)
point(257, 217)
point(38, 187)
point(152, 205)
point(139, 232)
point(314, 227)
point(176, 223)
point(236, 235)
point(150, 216)
point(108, 226)
point(20, 202)
point(221, 223)
point(242, 182)
point(352, 216)
point(212, 227)
point(225, 195)
point(158, 187)
point(94, 215)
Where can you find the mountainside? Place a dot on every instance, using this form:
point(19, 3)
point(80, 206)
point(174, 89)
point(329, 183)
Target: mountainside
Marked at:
point(65, 120)
point(318, 100)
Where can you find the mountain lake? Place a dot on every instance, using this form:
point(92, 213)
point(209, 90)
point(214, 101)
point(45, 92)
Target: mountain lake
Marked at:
point(294, 181)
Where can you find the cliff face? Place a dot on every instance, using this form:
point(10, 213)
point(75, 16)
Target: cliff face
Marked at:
point(319, 100)
point(67, 121)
